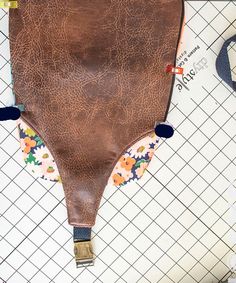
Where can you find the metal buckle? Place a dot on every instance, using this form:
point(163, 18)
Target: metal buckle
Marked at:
point(8, 4)
point(83, 253)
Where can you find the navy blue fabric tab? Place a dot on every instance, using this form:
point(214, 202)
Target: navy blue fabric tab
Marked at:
point(9, 113)
point(223, 64)
point(82, 233)
point(163, 130)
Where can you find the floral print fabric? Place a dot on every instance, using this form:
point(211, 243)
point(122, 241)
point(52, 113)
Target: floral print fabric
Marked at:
point(36, 155)
point(130, 167)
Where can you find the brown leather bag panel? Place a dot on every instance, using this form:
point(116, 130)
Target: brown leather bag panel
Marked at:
point(91, 74)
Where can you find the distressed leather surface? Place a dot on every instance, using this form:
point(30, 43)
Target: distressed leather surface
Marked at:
point(91, 74)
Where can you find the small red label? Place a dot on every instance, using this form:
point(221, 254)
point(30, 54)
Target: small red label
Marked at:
point(170, 69)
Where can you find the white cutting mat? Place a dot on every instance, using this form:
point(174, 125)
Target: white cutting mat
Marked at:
point(175, 224)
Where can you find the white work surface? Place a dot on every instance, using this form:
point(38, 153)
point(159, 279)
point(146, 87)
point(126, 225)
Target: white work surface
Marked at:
point(174, 225)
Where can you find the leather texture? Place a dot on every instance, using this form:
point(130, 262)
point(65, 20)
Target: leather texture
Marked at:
point(91, 74)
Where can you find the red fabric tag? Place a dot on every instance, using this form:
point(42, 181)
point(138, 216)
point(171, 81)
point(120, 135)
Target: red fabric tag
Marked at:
point(170, 69)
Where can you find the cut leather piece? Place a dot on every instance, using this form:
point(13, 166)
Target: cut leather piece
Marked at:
point(130, 167)
point(78, 68)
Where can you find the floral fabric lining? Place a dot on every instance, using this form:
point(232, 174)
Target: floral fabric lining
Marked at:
point(130, 167)
point(36, 155)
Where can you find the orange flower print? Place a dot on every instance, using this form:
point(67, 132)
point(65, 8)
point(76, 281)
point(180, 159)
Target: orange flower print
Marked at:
point(49, 170)
point(127, 162)
point(140, 171)
point(151, 153)
point(118, 179)
point(29, 143)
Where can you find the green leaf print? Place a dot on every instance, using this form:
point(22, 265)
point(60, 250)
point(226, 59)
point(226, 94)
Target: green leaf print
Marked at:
point(31, 159)
point(140, 162)
point(38, 141)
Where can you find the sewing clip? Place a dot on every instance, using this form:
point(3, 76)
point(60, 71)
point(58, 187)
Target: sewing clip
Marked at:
point(8, 4)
